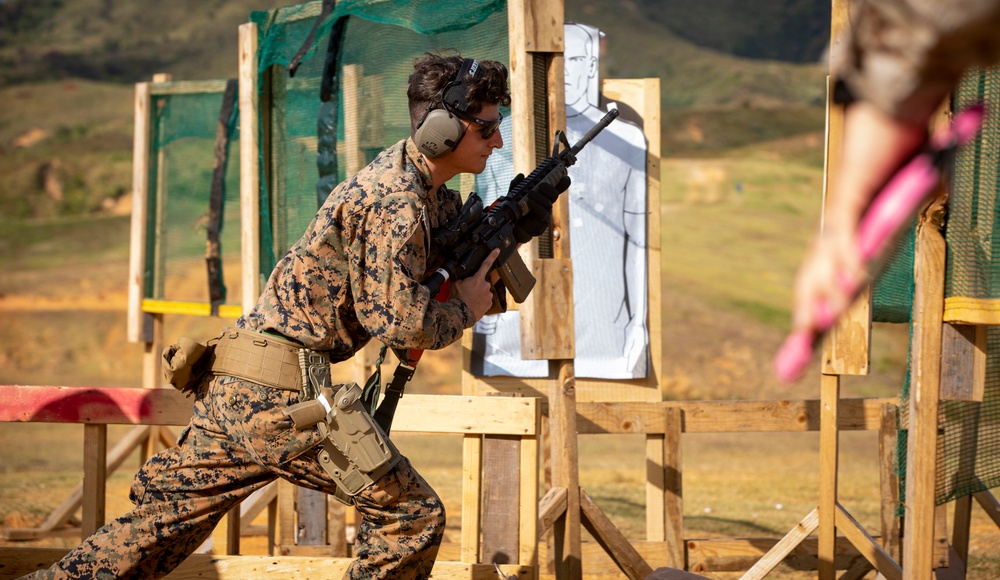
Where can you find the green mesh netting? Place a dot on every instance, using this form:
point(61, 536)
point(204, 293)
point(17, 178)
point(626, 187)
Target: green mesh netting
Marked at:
point(367, 49)
point(184, 122)
point(968, 447)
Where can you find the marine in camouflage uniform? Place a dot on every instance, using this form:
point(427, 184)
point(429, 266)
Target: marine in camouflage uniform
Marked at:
point(353, 276)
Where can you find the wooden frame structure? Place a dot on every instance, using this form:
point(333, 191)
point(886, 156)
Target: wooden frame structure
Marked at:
point(476, 419)
point(574, 406)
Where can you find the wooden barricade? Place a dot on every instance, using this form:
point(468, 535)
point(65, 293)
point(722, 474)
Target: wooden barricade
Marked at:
point(517, 420)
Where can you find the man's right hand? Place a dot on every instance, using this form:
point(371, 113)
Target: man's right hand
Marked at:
point(476, 290)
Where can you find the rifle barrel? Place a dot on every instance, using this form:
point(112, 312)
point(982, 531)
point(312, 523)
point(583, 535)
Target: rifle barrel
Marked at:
point(589, 135)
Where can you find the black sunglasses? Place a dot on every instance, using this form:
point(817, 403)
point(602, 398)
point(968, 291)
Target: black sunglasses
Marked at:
point(489, 127)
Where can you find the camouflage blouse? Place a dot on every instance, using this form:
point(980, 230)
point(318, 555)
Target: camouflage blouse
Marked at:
point(355, 272)
point(905, 56)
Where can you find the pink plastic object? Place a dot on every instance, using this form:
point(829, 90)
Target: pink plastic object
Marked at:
point(888, 213)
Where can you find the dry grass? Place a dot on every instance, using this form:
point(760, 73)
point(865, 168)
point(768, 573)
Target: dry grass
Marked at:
point(729, 254)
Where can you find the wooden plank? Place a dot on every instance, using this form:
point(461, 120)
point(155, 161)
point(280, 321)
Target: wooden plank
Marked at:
point(286, 516)
point(829, 448)
point(107, 405)
point(536, 23)
point(961, 527)
point(438, 413)
point(925, 375)
point(847, 348)
point(612, 540)
point(551, 507)
point(472, 449)
point(963, 362)
point(189, 308)
point(889, 481)
point(867, 545)
point(989, 505)
point(784, 546)
point(461, 414)
point(95, 476)
point(547, 324)
point(528, 524)
point(501, 502)
point(939, 559)
point(18, 561)
point(249, 167)
point(137, 231)
point(664, 485)
point(168, 87)
point(741, 554)
point(522, 106)
point(565, 472)
point(727, 416)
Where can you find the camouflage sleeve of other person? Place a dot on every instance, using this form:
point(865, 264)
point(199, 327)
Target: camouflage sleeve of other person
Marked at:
point(905, 56)
point(390, 258)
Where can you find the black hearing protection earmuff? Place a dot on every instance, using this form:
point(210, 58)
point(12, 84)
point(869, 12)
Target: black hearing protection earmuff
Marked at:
point(439, 130)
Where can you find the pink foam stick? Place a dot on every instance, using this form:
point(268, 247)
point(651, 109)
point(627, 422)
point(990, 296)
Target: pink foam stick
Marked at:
point(889, 212)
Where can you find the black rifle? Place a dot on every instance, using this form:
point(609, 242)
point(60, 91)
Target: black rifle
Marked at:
point(470, 238)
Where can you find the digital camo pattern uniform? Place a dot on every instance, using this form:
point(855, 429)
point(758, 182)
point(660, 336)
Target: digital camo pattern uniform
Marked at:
point(353, 275)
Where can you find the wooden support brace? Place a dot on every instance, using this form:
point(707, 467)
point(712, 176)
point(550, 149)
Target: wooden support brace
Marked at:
point(551, 507)
point(867, 545)
point(784, 547)
point(612, 540)
point(990, 505)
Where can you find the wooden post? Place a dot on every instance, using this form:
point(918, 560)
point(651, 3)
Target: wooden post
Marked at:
point(140, 193)
point(95, 451)
point(925, 375)
point(249, 166)
point(889, 480)
point(828, 464)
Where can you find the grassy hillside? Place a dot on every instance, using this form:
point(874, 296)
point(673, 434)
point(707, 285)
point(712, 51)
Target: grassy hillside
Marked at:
point(67, 68)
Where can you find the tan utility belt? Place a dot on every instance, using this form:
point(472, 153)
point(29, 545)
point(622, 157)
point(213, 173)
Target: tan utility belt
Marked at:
point(264, 359)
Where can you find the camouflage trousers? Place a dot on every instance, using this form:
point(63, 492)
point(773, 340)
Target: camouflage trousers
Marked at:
point(236, 443)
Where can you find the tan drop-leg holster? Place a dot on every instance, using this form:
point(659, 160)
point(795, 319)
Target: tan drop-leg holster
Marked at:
point(355, 451)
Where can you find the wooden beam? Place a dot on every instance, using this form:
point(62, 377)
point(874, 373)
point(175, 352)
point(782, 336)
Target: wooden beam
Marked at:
point(140, 199)
point(784, 546)
point(989, 505)
point(547, 325)
point(727, 416)
point(888, 443)
point(612, 540)
point(847, 348)
point(829, 447)
point(867, 545)
point(963, 362)
point(664, 497)
point(925, 381)
point(551, 507)
point(95, 477)
point(472, 484)
point(249, 167)
point(501, 477)
point(741, 554)
point(189, 308)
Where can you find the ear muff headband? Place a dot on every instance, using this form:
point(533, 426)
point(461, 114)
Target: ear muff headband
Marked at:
point(439, 130)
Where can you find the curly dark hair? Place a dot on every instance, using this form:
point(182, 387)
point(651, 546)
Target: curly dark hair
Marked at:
point(431, 72)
